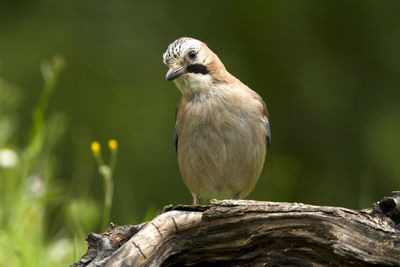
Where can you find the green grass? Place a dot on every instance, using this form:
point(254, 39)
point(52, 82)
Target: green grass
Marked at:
point(43, 222)
point(29, 194)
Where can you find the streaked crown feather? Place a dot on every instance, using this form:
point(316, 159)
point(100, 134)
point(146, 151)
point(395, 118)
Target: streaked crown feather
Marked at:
point(179, 48)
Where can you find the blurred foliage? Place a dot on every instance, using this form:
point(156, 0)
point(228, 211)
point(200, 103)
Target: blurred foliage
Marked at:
point(328, 71)
point(28, 190)
point(106, 170)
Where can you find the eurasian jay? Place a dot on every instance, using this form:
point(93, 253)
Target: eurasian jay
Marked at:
point(222, 128)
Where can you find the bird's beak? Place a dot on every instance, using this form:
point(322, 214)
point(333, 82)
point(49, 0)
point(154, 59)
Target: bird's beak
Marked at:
point(173, 74)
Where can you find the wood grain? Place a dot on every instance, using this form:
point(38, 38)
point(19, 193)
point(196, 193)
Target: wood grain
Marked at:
point(255, 233)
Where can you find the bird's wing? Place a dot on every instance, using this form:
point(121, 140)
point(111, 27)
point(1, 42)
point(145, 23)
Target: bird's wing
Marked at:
point(180, 103)
point(268, 132)
point(266, 116)
point(176, 136)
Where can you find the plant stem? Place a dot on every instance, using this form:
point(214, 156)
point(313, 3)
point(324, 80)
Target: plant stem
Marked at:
point(108, 194)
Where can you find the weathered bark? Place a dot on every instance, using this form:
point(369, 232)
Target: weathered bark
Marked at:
point(245, 232)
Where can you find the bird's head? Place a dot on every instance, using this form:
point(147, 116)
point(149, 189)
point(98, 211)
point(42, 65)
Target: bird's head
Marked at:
point(192, 65)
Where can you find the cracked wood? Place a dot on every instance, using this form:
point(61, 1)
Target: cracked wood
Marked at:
point(252, 233)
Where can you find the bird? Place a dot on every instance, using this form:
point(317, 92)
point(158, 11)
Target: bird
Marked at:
point(222, 129)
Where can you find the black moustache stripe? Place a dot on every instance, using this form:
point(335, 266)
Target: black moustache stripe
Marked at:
point(197, 68)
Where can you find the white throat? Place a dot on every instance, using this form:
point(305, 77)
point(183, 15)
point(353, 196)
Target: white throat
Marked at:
point(191, 83)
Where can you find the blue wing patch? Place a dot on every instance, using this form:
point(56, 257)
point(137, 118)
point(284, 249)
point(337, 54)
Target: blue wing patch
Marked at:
point(176, 136)
point(268, 132)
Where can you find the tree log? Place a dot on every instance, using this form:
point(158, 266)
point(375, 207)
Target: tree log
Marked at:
point(254, 233)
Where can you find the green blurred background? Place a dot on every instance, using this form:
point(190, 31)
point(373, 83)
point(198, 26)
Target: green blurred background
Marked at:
point(329, 72)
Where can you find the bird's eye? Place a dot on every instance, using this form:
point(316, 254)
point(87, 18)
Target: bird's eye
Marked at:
point(192, 54)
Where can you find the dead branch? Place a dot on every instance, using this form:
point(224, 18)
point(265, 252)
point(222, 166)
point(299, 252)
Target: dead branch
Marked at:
point(253, 233)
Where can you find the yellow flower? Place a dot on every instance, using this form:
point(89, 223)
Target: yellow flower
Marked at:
point(95, 147)
point(112, 144)
point(58, 62)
